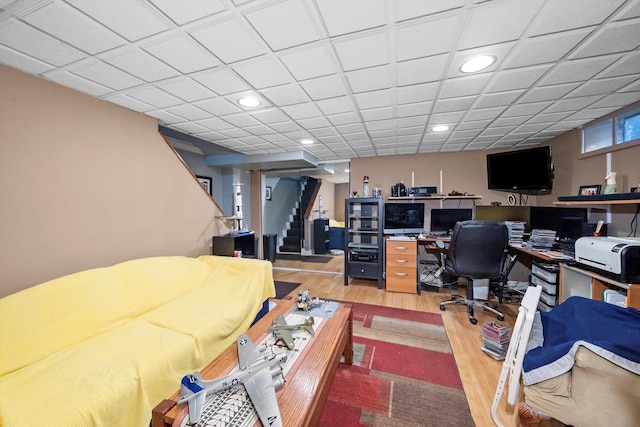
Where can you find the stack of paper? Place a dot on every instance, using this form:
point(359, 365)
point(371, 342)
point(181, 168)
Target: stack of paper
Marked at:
point(495, 336)
point(516, 232)
point(541, 240)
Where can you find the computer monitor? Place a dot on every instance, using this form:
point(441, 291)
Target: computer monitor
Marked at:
point(564, 221)
point(504, 213)
point(443, 220)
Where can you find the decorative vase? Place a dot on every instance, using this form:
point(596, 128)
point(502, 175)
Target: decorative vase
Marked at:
point(612, 186)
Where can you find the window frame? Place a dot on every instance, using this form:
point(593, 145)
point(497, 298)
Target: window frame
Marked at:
point(628, 111)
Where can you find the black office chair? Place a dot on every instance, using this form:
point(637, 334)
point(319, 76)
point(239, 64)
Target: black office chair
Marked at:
point(478, 250)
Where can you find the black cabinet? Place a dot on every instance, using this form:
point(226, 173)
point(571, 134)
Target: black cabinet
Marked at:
point(321, 236)
point(225, 245)
point(364, 252)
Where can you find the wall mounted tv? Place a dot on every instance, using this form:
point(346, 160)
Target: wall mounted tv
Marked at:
point(527, 171)
point(403, 218)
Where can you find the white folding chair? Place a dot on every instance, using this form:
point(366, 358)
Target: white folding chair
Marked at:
point(512, 366)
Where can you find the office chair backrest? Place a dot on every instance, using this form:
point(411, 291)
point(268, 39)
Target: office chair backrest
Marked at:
point(478, 249)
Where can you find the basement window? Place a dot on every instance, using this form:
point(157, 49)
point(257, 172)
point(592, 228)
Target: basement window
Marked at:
point(613, 132)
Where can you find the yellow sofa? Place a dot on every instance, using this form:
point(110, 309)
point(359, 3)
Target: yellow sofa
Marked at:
point(102, 347)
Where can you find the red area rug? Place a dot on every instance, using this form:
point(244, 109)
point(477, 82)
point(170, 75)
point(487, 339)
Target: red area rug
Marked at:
point(403, 374)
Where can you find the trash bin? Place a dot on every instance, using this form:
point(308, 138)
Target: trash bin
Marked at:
point(269, 242)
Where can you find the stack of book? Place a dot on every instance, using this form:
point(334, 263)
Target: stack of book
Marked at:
point(516, 232)
point(495, 337)
point(541, 240)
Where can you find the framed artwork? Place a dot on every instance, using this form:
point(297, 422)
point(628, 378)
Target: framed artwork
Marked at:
point(205, 181)
point(589, 190)
point(267, 193)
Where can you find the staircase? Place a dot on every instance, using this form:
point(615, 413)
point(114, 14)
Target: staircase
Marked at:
point(292, 241)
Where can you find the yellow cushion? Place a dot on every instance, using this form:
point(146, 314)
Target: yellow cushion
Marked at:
point(113, 379)
point(41, 320)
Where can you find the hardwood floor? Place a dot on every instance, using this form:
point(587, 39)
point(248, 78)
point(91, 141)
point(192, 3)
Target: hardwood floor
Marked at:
point(479, 372)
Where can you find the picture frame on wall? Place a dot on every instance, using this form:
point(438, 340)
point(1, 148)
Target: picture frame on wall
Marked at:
point(589, 190)
point(205, 181)
point(267, 193)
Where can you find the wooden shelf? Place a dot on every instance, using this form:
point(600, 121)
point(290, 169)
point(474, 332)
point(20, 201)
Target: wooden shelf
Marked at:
point(601, 199)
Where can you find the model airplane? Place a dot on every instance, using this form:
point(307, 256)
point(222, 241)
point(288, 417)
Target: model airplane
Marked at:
point(283, 331)
point(257, 373)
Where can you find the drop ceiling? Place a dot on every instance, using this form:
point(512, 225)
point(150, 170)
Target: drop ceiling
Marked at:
point(360, 77)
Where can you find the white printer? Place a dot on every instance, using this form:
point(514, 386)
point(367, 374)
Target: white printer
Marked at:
point(618, 257)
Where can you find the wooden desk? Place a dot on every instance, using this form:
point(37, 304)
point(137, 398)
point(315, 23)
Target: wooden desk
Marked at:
point(303, 396)
point(585, 283)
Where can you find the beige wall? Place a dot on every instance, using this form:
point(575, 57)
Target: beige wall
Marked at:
point(86, 183)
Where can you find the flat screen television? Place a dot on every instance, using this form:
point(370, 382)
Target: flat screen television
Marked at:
point(443, 220)
point(403, 218)
point(527, 171)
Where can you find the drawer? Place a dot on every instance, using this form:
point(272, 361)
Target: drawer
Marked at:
point(402, 280)
point(549, 300)
point(548, 275)
point(549, 288)
point(402, 247)
point(363, 269)
point(402, 260)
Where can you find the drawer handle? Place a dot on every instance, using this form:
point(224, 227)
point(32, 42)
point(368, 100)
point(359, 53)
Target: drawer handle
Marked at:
point(401, 274)
point(402, 248)
point(362, 270)
point(401, 260)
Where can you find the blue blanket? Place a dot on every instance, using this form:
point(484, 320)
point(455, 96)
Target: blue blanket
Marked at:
point(608, 330)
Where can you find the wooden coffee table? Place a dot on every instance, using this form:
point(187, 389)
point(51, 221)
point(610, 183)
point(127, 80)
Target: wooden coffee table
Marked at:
point(303, 396)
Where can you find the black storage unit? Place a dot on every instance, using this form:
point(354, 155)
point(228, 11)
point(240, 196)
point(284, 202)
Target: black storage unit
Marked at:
point(364, 252)
point(321, 236)
point(269, 243)
point(225, 245)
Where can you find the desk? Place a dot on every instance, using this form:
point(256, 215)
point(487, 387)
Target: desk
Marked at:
point(577, 281)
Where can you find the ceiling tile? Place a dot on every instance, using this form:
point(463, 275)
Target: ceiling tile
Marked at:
point(454, 104)
point(498, 99)
point(85, 33)
point(186, 89)
point(342, 17)
point(285, 24)
point(218, 106)
point(484, 113)
point(577, 70)
point(363, 51)
point(521, 78)
point(526, 109)
point(377, 113)
point(181, 15)
point(571, 104)
point(344, 118)
point(314, 123)
point(497, 22)
point(614, 37)
point(324, 87)
point(23, 38)
point(421, 70)
point(548, 93)
point(370, 79)
point(416, 109)
point(417, 93)
point(337, 105)
point(182, 53)
point(463, 86)
point(216, 36)
point(378, 98)
point(427, 38)
point(543, 49)
point(106, 74)
point(270, 115)
point(140, 64)
point(263, 73)
point(188, 111)
point(286, 94)
point(154, 96)
point(302, 111)
point(222, 81)
point(165, 118)
point(22, 62)
point(557, 16)
point(308, 63)
point(603, 86)
point(128, 102)
point(241, 120)
point(416, 8)
point(79, 83)
point(131, 20)
point(628, 64)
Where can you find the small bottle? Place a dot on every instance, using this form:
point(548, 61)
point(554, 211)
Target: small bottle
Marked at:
point(365, 183)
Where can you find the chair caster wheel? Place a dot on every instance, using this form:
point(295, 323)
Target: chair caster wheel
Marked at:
point(500, 317)
point(473, 320)
point(442, 307)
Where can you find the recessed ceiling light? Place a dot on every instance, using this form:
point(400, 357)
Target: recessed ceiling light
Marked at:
point(440, 128)
point(249, 101)
point(477, 63)
point(307, 141)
